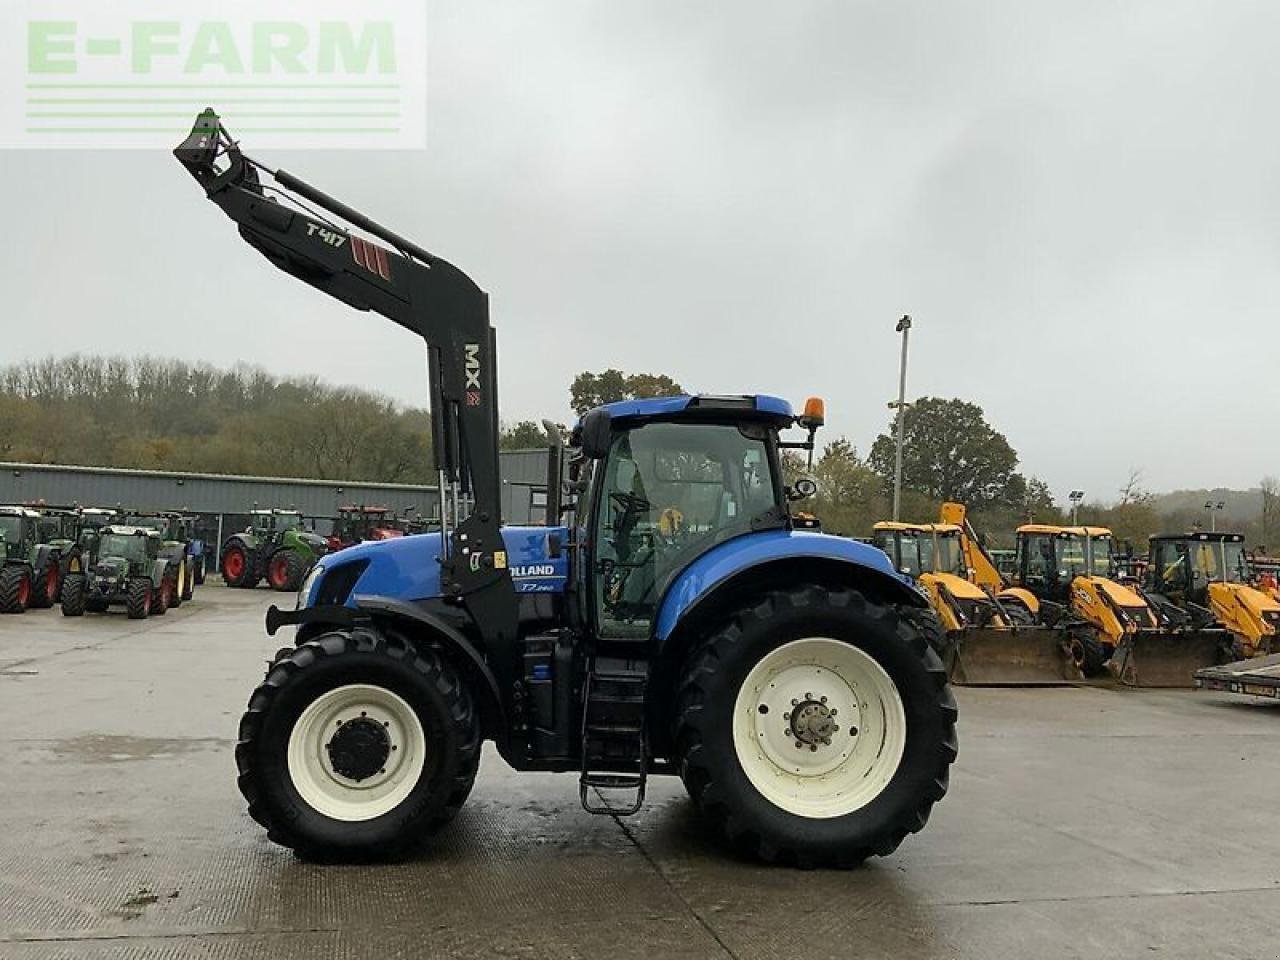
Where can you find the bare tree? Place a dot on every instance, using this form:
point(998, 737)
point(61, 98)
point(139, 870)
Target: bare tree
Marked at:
point(1270, 507)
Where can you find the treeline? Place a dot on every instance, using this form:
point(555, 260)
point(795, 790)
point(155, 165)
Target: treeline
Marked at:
point(158, 414)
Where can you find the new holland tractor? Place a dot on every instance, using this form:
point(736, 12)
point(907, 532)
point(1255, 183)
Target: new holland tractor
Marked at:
point(1205, 578)
point(992, 638)
point(274, 548)
point(128, 569)
point(786, 676)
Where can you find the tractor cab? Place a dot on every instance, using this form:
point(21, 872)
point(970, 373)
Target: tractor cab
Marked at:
point(1184, 565)
point(19, 533)
point(266, 523)
point(357, 524)
point(1207, 575)
point(1048, 558)
point(667, 480)
point(920, 548)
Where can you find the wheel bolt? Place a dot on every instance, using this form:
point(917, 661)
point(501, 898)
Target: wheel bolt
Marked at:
point(834, 711)
point(813, 748)
point(853, 731)
point(835, 728)
point(786, 716)
point(808, 695)
point(795, 703)
point(822, 699)
point(799, 744)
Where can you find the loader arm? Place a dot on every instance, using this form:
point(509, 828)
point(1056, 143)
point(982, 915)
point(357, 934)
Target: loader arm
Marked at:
point(417, 290)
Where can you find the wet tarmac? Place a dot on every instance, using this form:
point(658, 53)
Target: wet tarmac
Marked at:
point(1081, 823)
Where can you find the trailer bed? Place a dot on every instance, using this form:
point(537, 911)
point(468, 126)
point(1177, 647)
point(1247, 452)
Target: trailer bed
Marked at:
point(1256, 677)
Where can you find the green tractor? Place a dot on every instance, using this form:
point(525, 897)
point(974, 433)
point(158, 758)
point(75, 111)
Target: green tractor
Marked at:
point(129, 568)
point(274, 548)
point(178, 533)
point(30, 567)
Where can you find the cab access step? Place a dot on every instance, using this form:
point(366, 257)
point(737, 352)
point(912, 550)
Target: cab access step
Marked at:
point(615, 755)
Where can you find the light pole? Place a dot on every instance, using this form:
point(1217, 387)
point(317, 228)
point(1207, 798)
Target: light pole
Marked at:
point(1075, 496)
point(1212, 507)
point(904, 328)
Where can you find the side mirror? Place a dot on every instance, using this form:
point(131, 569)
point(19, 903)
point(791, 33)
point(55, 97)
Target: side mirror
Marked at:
point(597, 433)
point(803, 488)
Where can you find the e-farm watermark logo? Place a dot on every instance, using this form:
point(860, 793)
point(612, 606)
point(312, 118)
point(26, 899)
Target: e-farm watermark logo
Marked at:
point(134, 73)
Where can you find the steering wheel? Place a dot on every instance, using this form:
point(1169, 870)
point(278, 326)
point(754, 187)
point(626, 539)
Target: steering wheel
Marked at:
point(630, 502)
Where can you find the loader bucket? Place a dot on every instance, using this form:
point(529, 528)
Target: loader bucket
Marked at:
point(1007, 657)
point(1166, 658)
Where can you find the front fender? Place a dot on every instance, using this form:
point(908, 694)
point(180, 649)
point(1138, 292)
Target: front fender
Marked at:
point(726, 561)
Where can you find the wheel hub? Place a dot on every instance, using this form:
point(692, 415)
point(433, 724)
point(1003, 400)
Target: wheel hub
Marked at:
point(359, 748)
point(812, 722)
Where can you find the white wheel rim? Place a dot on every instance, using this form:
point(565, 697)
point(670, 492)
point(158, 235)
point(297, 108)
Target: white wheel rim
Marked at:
point(821, 683)
point(342, 798)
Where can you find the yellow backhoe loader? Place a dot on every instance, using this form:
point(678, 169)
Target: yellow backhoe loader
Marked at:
point(991, 637)
point(1205, 578)
point(1069, 569)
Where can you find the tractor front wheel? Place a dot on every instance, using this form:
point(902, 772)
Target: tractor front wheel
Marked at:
point(237, 568)
point(285, 571)
point(1088, 653)
point(188, 580)
point(15, 588)
point(357, 746)
point(138, 598)
point(816, 727)
point(73, 599)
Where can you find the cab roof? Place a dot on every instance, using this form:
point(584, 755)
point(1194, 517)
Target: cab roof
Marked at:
point(893, 525)
point(704, 406)
point(129, 531)
point(19, 512)
point(1212, 535)
point(1055, 531)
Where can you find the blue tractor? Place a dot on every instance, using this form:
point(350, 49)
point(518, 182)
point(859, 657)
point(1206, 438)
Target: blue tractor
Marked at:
point(669, 618)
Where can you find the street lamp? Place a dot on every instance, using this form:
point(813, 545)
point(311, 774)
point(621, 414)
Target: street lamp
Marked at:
point(1212, 507)
point(904, 328)
point(1075, 496)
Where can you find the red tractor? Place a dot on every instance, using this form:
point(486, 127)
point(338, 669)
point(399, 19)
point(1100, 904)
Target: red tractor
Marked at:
point(357, 524)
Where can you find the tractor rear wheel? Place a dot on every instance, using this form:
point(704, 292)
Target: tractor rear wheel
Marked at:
point(138, 598)
point(73, 599)
point(816, 727)
point(237, 568)
point(358, 746)
point(45, 586)
point(15, 588)
point(162, 596)
point(188, 580)
point(285, 571)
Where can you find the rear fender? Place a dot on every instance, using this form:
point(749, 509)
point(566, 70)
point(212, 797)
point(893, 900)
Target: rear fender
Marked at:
point(420, 626)
point(44, 555)
point(728, 576)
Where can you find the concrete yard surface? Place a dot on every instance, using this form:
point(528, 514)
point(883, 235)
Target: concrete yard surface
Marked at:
point(1081, 822)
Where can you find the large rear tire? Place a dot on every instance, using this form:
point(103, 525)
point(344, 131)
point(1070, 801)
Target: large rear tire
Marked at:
point(73, 599)
point(15, 588)
point(857, 685)
point(188, 580)
point(46, 585)
point(1088, 653)
point(357, 746)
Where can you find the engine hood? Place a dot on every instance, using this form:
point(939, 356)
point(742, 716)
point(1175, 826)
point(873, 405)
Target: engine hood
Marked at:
point(407, 568)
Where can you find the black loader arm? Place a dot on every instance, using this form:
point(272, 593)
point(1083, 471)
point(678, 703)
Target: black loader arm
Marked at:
point(417, 290)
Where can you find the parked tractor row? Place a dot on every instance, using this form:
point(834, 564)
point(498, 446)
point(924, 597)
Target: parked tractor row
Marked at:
point(89, 558)
point(1069, 608)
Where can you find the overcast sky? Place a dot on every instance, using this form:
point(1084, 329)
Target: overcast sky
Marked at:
point(1079, 204)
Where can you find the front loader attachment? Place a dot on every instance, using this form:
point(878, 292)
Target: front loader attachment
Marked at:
point(1167, 658)
point(1029, 656)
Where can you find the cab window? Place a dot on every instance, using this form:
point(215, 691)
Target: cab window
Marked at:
point(669, 492)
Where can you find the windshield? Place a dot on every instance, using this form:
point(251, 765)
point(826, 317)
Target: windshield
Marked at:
point(949, 557)
point(283, 521)
point(1071, 558)
point(1219, 561)
point(1101, 556)
point(11, 528)
point(123, 545)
